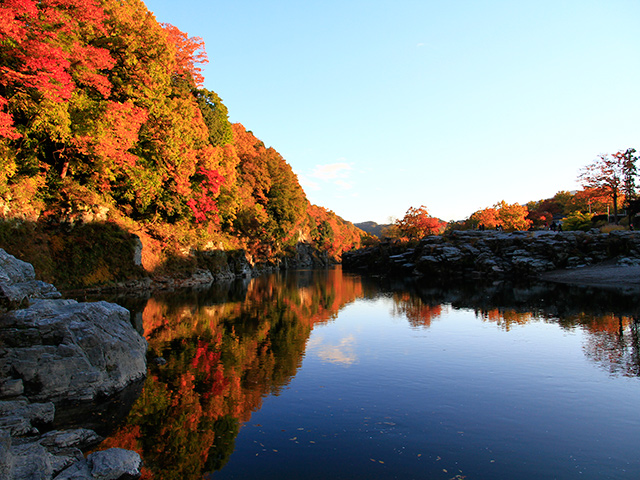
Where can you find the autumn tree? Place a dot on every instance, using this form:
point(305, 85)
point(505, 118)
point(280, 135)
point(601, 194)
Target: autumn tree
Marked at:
point(417, 223)
point(513, 216)
point(589, 200)
point(629, 172)
point(542, 212)
point(53, 69)
point(102, 108)
point(507, 216)
point(612, 175)
point(485, 218)
point(189, 54)
point(331, 233)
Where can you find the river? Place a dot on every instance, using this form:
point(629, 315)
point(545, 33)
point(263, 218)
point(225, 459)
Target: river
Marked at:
point(323, 374)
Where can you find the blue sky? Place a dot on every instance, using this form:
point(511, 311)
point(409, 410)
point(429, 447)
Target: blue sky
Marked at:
point(379, 106)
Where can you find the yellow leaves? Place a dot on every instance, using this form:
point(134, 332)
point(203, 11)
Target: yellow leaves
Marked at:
point(8, 166)
point(50, 119)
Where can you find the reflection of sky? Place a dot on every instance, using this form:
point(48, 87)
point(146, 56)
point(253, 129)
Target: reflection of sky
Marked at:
point(342, 353)
point(465, 396)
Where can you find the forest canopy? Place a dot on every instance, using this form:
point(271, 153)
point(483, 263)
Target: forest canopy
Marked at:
point(103, 109)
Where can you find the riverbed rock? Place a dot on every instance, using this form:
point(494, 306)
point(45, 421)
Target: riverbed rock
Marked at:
point(111, 464)
point(63, 350)
point(20, 417)
point(52, 352)
point(46, 456)
point(18, 284)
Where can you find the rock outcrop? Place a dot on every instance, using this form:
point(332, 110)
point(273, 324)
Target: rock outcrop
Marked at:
point(53, 352)
point(18, 284)
point(62, 350)
point(497, 254)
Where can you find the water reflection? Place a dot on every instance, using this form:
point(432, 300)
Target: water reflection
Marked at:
point(214, 356)
point(341, 353)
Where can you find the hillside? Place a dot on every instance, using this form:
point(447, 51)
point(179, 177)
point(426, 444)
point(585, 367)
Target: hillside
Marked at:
point(372, 228)
point(107, 134)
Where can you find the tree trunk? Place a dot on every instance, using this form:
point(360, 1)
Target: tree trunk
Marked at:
point(65, 168)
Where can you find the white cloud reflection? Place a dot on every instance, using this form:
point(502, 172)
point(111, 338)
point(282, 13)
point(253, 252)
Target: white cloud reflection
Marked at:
point(342, 353)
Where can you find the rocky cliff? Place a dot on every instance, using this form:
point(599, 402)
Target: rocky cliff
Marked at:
point(54, 352)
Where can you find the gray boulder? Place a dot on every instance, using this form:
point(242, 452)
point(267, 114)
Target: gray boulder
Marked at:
point(63, 350)
point(46, 456)
point(111, 464)
point(18, 284)
point(59, 351)
point(19, 416)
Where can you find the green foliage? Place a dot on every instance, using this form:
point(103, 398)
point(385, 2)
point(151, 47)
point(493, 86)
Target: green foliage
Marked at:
point(578, 221)
point(215, 116)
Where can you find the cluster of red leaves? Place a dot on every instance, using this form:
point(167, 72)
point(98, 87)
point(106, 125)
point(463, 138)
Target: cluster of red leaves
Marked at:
point(204, 206)
point(49, 43)
point(417, 223)
point(209, 369)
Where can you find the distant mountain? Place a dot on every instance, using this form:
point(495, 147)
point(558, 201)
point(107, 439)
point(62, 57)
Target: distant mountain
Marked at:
point(372, 227)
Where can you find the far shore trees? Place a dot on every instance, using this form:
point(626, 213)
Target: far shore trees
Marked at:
point(509, 217)
point(417, 223)
point(612, 175)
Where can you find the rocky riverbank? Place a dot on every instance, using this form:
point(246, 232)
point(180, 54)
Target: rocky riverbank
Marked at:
point(55, 353)
point(214, 266)
point(489, 254)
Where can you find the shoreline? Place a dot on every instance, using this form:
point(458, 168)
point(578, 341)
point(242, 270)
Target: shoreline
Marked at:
point(603, 275)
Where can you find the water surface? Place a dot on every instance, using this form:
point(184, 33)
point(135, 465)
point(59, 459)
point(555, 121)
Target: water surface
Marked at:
point(322, 375)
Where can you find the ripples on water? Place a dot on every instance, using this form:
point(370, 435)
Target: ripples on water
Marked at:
point(321, 375)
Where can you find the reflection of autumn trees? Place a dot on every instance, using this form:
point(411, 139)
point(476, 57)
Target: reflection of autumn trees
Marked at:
point(418, 313)
point(612, 341)
point(614, 344)
point(506, 318)
point(214, 356)
point(212, 363)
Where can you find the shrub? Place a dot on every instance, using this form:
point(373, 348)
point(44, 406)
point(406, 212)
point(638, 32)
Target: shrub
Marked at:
point(578, 221)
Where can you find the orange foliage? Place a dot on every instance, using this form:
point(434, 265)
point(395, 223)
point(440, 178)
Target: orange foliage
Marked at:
point(487, 218)
point(189, 54)
point(418, 313)
point(417, 223)
point(510, 217)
